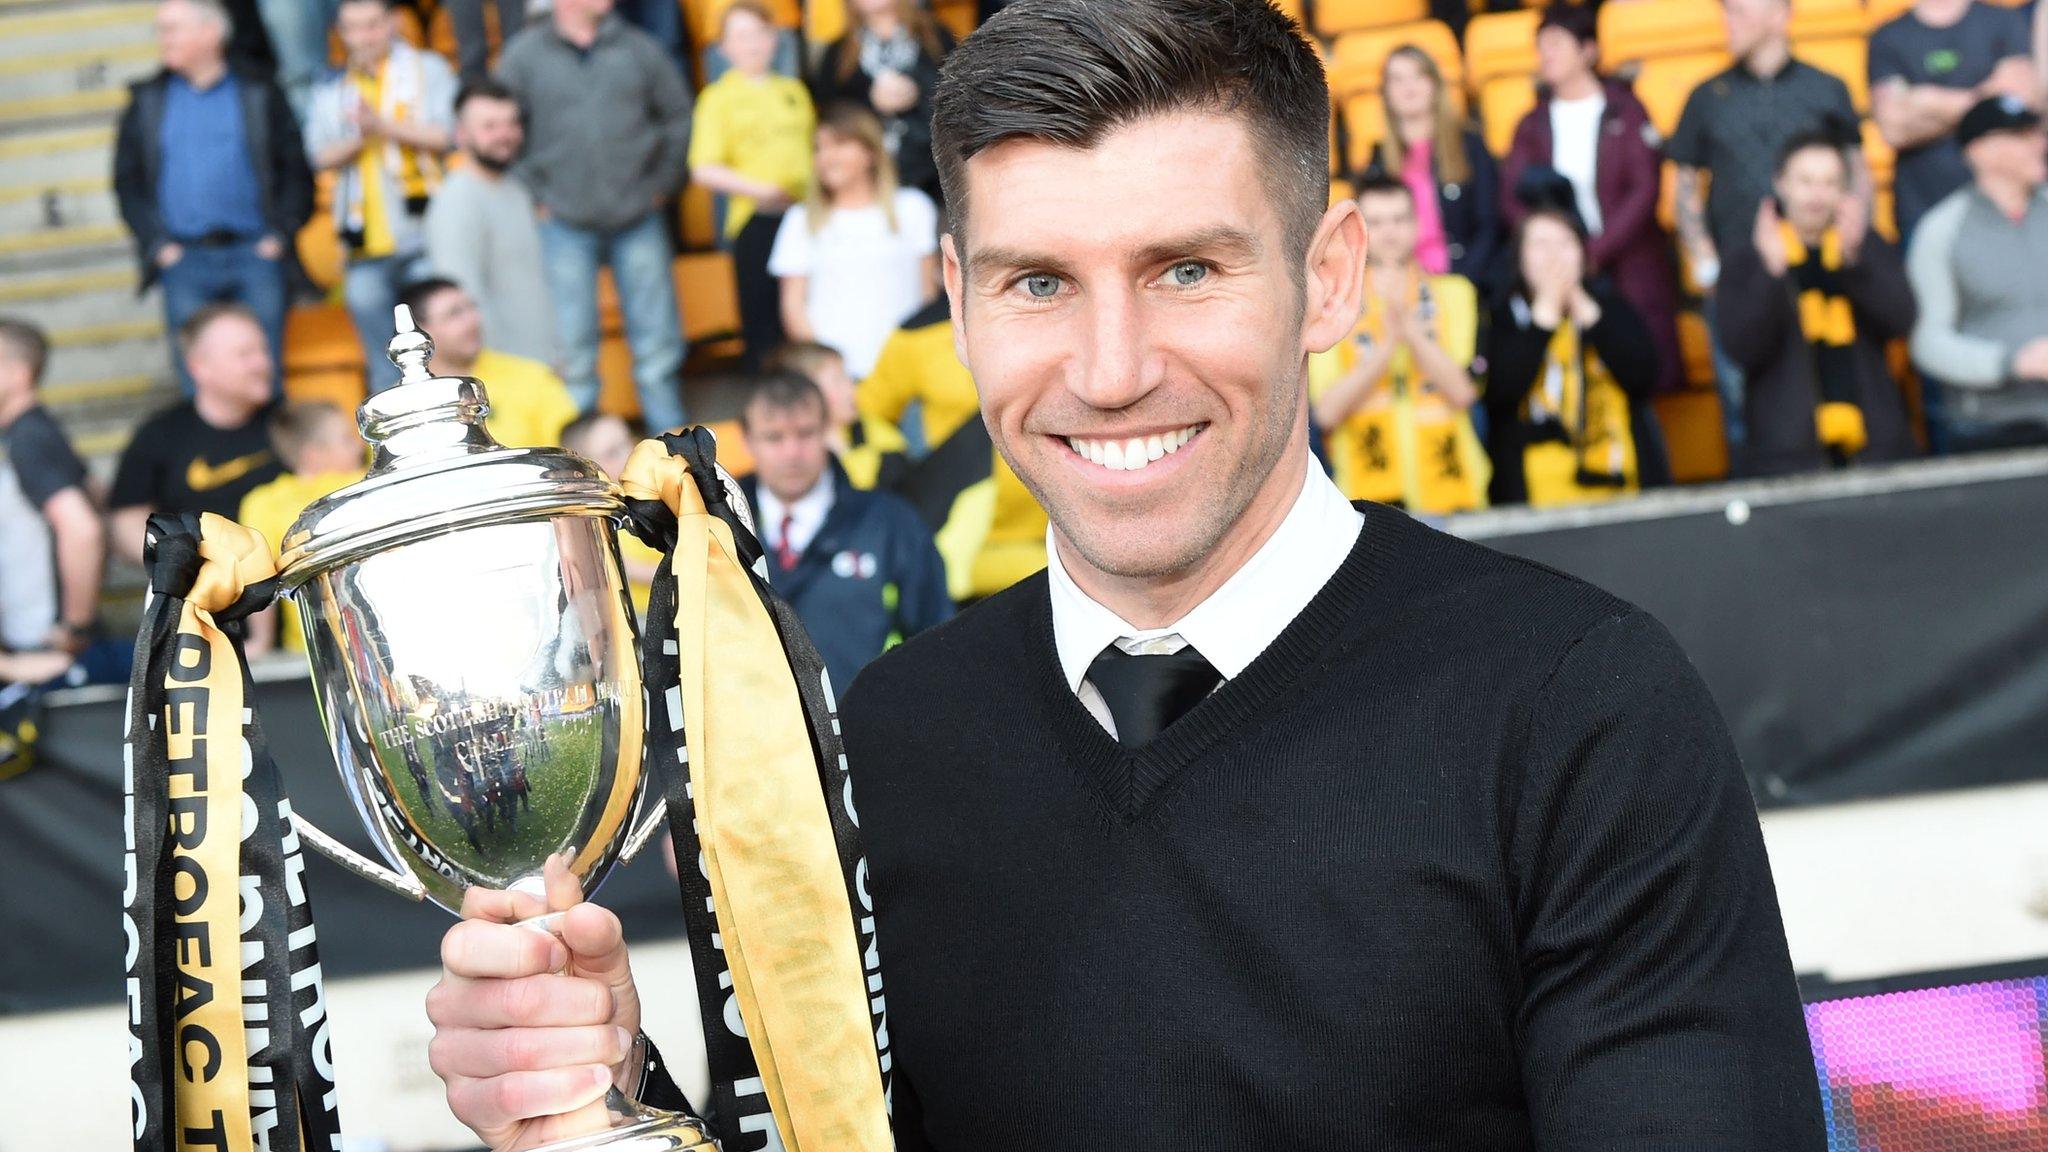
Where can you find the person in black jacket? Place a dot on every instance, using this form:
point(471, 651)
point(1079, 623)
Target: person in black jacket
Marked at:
point(211, 177)
point(1806, 310)
point(1570, 370)
point(858, 566)
point(888, 62)
point(1428, 146)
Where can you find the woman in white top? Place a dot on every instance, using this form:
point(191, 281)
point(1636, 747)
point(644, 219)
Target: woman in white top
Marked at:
point(859, 254)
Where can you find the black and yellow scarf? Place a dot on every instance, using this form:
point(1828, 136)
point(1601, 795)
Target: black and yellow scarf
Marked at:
point(1828, 323)
point(1581, 443)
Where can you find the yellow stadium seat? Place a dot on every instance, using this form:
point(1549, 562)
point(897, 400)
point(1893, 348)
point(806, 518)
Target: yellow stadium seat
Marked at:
point(709, 296)
point(1847, 58)
point(1666, 82)
point(1500, 44)
point(732, 447)
point(958, 17)
point(1882, 12)
point(1827, 19)
point(1694, 434)
point(1502, 104)
point(615, 392)
point(341, 387)
point(1667, 197)
point(321, 337)
point(1695, 349)
point(1356, 58)
point(1294, 10)
point(1336, 17)
point(1878, 154)
point(1365, 121)
point(1637, 30)
point(824, 22)
point(1340, 191)
point(700, 228)
point(703, 16)
point(1336, 144)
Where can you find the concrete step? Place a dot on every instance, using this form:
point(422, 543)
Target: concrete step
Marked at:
point(91, 296)
point(33, 159)
point(29, 33)
point(97, 104)
point(113, 350)
point(43, 205)
point(85, 69)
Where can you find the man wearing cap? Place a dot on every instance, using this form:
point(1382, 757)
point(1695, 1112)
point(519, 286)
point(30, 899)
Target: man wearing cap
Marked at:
point(1974, 264)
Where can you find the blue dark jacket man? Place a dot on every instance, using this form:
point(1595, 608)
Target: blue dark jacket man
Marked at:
point(870, 577)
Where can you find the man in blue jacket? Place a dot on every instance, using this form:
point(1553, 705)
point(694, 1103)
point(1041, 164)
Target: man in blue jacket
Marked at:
point(859, 567)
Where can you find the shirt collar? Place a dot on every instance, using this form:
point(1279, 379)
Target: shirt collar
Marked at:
point(1238, 620)
point(809, 508)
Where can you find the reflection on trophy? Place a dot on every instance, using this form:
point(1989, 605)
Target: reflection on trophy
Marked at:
point(474, 660)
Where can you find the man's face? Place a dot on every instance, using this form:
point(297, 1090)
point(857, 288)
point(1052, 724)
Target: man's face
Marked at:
point(2020, 156)
point(748, 41)
point(607, 442)
point(1752, 23)
point(490, 131)
point(186, 37)
point(231, 362)
point(1135, 295)
point(584, 9)
point(456, 323)
point(336, 448)
point(365, 28)
point(16, 381)
point(788, 446)
point(1560, 56)
point(1390, 221)
point(1811, 186)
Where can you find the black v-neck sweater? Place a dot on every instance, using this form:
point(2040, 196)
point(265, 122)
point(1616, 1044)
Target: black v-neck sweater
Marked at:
point(1463, 861)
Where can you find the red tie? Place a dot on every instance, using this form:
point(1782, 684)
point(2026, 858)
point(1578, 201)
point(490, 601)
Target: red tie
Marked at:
point(785, 552)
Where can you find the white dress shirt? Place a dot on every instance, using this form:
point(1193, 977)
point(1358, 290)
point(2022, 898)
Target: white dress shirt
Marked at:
point(806, 515)
point(1238, 620)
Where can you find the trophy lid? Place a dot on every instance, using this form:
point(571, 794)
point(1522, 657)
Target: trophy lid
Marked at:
point(435, 469)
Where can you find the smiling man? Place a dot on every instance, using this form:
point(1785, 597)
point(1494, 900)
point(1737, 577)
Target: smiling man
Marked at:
point(1259, 820)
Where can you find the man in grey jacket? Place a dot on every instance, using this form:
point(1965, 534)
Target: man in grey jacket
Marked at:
point(1975, 267)
point(608, 134)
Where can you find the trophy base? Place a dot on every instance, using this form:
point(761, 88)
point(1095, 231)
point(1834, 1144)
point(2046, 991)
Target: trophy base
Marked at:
point(653, 1131)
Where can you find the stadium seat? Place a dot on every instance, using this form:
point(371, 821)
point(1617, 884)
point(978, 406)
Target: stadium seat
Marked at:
point(709, 296)
point(703, 16)
point(1502, 103)
point(1638, 30)
point(1365, 121)
point(1334, 18)
point(1356, 58)
point(959, 16)
point(1340, 191)
point(321, 337)
point(1878, 154)
point(1827, 19)
point(700, 225)
point(1845, 57)
point(1294, 9)
point(1665, 82)
point(824, 21)
point(341, 387)
point(1498, 45)
point(1694, 435)
point(1695, 349)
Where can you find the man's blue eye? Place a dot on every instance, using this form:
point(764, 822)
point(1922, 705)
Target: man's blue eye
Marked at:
point(1189, 274)
point(1042, 287)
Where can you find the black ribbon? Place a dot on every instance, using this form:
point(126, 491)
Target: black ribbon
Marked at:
point(730, 1056)
point(289, 1093)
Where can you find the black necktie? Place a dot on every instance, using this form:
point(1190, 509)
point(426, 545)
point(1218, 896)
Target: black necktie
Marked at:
point(1147, 693)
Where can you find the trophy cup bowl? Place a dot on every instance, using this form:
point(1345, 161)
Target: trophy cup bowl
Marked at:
point(475, 664)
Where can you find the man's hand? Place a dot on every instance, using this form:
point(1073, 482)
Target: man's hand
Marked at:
point(1852, 227)
point(893, 93)
point(2031, 362)
point(169, 254)
point(269, 248)
point(1769, 240)
point(530, 1030)
point(369, 124)
point(2013, 76)
point(772, 200)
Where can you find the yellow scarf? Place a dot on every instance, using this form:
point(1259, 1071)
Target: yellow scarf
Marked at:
point(1828, 322)
point(1406, 445)
point(1584, 449)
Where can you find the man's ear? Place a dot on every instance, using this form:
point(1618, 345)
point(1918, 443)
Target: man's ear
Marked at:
point(1334, 279)
point(949, 267)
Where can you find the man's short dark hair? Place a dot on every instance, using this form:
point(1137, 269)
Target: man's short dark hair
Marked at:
point(1376, 182)
point(207, 316)
point(1069, 71)
point(416, 293)
point(297, 423)
point(484, 88)
point(1582, 21)
point(25, 342)
point(1807, 140)
point(782, 391)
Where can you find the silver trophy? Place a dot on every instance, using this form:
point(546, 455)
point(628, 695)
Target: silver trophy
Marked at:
point(475, 664)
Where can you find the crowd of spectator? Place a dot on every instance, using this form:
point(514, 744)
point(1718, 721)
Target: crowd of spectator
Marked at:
point(1522, 319)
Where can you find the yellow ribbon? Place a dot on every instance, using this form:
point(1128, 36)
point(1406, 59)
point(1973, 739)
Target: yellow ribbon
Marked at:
point(766, 837)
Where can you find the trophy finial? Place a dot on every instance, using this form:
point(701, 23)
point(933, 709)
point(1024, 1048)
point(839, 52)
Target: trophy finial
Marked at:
point(411, 349)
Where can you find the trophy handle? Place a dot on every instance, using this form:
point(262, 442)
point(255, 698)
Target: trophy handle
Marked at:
point(657, 812)
point(403, 883)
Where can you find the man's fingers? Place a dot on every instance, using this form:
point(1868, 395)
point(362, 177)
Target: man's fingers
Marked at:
point(564, 890)
point(503, 1101)
point(597, 941)
point(468, 1052)
point(499, 906)
point(478, 949)
point(546, 1001)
